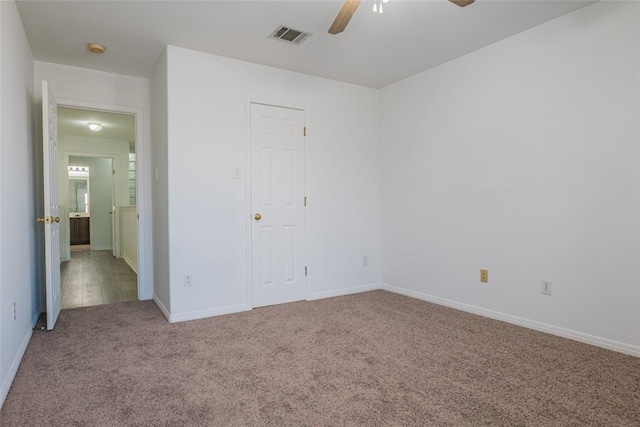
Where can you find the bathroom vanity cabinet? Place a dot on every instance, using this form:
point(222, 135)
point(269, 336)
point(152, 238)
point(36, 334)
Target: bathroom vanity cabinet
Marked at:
point(79, 230)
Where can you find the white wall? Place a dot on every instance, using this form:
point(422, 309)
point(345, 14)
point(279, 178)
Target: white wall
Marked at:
point(159, 105)
point(82, 87)
point(18, 248)
point(101, 227)
point(207, 114)
point(100, 183)
point(522, 158)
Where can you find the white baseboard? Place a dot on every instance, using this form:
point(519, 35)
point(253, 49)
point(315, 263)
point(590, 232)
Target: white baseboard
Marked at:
point(162, 308)
point(531, 324)
point(13, 369)
point(344, 291)
point(131, 264)
point(201, 314)
point(101, 248)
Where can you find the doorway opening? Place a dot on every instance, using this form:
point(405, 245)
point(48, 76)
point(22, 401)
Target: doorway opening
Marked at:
point(98, 189)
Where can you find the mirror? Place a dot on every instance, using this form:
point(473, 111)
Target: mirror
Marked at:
point(78, 191)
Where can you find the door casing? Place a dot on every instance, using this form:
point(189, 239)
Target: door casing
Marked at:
point(143, 192)
point(114, 191)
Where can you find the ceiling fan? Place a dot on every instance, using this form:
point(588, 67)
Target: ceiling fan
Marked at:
point(349, 8)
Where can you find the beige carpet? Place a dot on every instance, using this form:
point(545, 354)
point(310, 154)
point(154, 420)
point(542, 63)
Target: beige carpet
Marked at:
point(374, 359)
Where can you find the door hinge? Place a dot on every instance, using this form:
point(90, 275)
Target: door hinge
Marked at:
point(305, 200)
point(113, 171)
point(305, 270)
point(304, 132)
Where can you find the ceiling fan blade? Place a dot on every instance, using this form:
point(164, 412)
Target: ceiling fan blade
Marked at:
point(462, 3)
point(344, 16)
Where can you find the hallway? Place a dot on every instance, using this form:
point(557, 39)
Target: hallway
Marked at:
point(95, 278)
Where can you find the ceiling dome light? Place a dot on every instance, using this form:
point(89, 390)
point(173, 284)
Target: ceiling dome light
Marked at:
point(96, 48)
point(377, 5)
point(96, 127)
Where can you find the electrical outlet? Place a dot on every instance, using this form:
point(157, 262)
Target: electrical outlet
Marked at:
point(546, 287)
point(365, 261)
point(14, 311)
point(187, 279)
point(484, 276)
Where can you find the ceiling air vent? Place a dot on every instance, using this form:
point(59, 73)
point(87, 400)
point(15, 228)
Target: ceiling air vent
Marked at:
point(289, 35)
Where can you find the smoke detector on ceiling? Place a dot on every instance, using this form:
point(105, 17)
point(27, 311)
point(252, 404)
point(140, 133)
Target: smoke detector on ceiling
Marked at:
point(289, 35)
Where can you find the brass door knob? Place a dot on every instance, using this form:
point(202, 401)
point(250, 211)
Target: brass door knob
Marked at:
point(257, 217)
point(56, 219)
point(40, 219)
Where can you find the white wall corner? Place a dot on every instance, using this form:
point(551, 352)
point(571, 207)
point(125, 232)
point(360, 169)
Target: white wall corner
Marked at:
point(36, 316)
point(519, 321)
point(162, 308)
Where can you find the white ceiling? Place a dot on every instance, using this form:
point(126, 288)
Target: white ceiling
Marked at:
point(375, 50)
point(75, 122)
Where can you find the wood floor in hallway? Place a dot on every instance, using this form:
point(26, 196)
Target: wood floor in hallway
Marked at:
point(95, 278)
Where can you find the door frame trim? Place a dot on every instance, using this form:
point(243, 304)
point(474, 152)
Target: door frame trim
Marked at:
point(247, 183)
point(143, 192)
point(114, 161)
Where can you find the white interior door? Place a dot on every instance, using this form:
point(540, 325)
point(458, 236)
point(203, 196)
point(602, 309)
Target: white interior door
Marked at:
point(278, 241)
point(51, 205)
